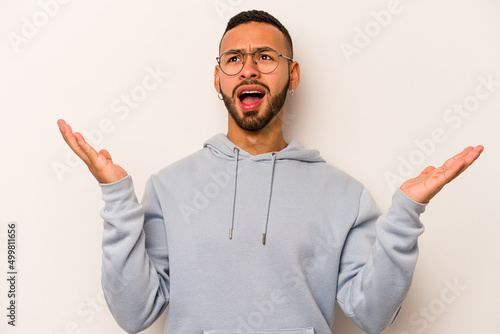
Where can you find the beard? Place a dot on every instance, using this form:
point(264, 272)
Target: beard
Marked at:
point(251, 120)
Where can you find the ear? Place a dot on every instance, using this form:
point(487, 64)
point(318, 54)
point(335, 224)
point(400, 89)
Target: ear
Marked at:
point(294, 75)
point(217, 78)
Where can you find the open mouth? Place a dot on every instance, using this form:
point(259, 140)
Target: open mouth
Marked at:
point(250, 97)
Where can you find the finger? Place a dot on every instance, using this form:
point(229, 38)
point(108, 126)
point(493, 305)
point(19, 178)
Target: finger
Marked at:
point(448, 163)
point(428, 170)
point(471, 156)
point(454, 170)
point(69, 138)
point(474, 154)
point(458, 164)
point(105, 154)
point(89, 151)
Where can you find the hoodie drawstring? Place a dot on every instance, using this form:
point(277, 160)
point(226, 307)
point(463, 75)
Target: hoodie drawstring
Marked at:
point(274, 155)
point(269, 200)
point(236, 151)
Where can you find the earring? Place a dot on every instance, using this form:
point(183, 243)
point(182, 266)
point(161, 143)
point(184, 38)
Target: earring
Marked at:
point(290, 92)
point(221, 97)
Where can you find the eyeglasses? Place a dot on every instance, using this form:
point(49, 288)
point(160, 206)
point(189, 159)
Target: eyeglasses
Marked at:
point(265, 60)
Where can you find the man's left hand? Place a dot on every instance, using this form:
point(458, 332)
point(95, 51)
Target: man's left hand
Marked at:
point(425, 186)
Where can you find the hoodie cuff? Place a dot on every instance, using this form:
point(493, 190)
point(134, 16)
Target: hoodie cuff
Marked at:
point(119, 193)
point(405, 210)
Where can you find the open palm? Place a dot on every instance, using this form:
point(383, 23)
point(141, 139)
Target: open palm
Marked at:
point(99, 163)
point(425, 186)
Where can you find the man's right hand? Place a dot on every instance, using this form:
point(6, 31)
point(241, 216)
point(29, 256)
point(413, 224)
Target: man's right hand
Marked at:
point(99, 163)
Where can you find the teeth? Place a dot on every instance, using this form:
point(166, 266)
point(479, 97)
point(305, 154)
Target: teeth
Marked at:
point(251, 92)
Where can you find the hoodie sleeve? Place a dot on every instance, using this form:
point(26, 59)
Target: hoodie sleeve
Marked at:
point(135, 268)
point(378, 261)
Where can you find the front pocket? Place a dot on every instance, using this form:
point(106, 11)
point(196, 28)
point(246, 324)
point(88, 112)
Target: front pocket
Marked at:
point(308, 330)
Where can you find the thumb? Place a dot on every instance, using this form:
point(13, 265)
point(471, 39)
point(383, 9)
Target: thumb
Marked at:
point(106, 154)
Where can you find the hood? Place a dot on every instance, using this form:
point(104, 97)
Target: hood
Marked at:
point(222, 147)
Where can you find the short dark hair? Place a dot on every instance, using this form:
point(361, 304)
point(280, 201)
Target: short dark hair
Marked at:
point(261, 17)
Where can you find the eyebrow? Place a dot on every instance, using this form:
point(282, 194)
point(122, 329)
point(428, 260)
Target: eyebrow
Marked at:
point(254, 50)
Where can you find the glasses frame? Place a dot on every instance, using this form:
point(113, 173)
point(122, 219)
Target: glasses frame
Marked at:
point(253, 60)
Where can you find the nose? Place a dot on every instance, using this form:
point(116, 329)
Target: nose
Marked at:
point(249, 69)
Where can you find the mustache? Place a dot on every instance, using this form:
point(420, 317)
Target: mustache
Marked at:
point(250, 82)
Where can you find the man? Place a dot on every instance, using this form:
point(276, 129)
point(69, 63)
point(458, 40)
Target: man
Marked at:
point(251, 233)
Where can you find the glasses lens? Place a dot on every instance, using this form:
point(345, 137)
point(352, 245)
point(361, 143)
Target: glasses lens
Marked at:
point(267, 60)
point(231, 62)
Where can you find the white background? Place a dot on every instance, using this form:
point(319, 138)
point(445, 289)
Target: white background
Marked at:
point(365, 113)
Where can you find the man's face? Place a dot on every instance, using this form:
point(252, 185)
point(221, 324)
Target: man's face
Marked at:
point(253, 112)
